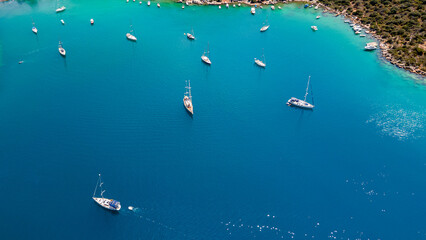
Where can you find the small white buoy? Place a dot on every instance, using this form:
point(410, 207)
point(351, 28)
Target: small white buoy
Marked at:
point(130, 208)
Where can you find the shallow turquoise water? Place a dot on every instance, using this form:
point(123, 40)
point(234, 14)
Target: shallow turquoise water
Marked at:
point(246, 166)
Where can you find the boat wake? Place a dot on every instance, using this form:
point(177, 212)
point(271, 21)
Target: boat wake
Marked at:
point(138, 213)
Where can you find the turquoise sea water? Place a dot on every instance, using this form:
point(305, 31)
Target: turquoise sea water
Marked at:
point(246, 166)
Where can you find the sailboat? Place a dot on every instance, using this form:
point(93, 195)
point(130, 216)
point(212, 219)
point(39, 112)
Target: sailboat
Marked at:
point(109, 204)
point(205, 57)
point(260, 63)
point(61, 9)
point(187, 99)
point(265, 27)
point(61, 49)
point(301, 103)
point(34, 29)
point(130, 35)
point(191, 36)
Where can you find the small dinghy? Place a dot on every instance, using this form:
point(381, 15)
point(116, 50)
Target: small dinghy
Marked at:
point(158, 5)
point(273, 7)
point(92, 21)
point(314, 28)
point(318, 17)
point(301, 103)
point(148, 3)
point(62, 21)
point(109, 204)
point(34, 29)
point(61, 49)
point(253, 10)
point(61, 9)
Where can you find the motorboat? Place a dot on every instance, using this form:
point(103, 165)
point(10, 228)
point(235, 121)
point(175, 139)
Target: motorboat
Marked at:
point(253, 10)
point(92, 21)
point(314, 28)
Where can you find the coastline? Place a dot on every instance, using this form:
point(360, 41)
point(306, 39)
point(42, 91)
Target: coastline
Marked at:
point(384, 48)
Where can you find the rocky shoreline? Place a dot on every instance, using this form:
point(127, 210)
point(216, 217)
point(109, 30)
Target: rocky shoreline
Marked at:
point(384, 48)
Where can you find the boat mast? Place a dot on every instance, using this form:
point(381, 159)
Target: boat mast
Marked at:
point(307, 88)
point(96, 185)
point(189, 89)
point(208, 48)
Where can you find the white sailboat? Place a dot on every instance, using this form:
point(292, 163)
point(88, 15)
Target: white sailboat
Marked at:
point(190, 36)
point(205, 57)
point(130, 36)
point(187, 98)
point(61, 9)
point(61, 49)
point(109, 204)
point(301, 103)
point(265, 26)
point(34, 29)
point(260, 63)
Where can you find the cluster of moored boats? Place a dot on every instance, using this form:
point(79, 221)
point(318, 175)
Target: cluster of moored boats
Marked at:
point(187, 99)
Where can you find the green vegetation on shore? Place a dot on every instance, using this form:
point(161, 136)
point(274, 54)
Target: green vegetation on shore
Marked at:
point(400, 23)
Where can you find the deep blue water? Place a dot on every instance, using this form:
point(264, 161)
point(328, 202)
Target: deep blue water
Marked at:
point(246, 166)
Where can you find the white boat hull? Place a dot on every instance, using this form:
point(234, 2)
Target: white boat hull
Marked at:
point(299, 103)
point(190, 36)
point(264, 28)
point(62, 51)
point(61, 9)
point(259, 63)
point(131, 37)
point(206, 60)
point(187, 103)
point(105, 203)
